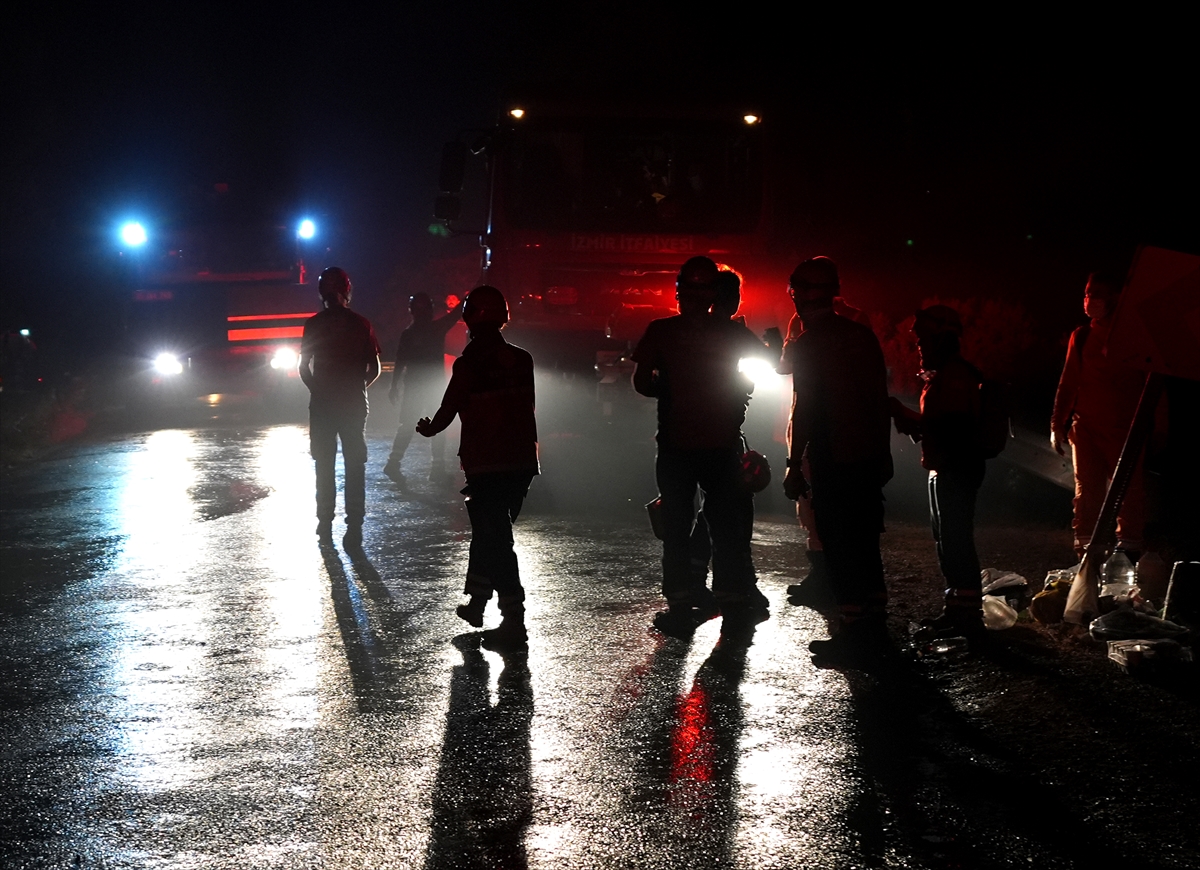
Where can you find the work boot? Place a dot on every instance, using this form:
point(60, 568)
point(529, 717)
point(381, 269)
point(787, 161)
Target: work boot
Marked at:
point(393, 472)
point(472, 611)
point(856, 644)
point(739, 619)
point(509, 636)
point(325, 531)
point(813, 589)
point(964, 622)
point(353, 538)
point(681, 620)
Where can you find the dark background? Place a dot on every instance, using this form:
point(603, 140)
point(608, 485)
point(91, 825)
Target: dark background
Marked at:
point(1015, 154)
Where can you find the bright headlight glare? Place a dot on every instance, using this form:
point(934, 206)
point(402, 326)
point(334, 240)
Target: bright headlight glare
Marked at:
point(133, 234)
point(167, 364)
point(285, 359)
point(761, 372)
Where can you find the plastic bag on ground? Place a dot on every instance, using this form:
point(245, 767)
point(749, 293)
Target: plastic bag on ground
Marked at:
point(1129, 624)
point(994, 580)
point(1012, 587)
point(997, 613)
point(1083, 602)
point(1048, 605)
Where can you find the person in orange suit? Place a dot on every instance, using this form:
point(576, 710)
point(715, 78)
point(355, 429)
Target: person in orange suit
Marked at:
point(1093, 407)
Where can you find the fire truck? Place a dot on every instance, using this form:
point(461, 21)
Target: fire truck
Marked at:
point(215, 312)
point(591, 209)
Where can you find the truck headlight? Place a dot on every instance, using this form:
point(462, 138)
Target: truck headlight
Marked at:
point(285, 359)
point(167, 364)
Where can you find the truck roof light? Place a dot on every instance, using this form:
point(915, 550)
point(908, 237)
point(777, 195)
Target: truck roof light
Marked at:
point(751, 119)
point(133, 234)
point(517, 113)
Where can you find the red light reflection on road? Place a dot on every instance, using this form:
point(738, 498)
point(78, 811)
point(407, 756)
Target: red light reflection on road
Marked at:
point(692, 752)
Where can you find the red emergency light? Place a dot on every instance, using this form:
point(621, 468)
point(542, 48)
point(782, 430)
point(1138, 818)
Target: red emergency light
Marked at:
point(265, 333)
point(242, 317)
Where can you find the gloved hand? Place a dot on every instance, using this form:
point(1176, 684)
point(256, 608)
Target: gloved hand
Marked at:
point(794, 484)
point(902, 418)
point(773, 339)
point(1058, 440)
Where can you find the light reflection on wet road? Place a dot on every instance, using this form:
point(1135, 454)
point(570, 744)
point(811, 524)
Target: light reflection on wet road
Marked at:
point(191, 681)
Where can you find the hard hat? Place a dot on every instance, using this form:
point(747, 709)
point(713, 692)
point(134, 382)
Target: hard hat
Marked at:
point(485, 304)
point(729, 288)
point(420, 305)
point(756, 471)
point(334, 282)
point(697, 274)
point(815, 278)
point(937, 319)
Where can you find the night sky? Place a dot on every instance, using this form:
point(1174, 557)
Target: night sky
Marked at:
point(1016, 154)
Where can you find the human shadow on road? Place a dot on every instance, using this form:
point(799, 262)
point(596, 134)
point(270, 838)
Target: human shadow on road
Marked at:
point(366, 574)
point(482, 798)
point(936, 789)
point(365, 629)
point(684, 773)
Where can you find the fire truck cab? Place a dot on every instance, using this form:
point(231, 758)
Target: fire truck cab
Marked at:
point(215, 315)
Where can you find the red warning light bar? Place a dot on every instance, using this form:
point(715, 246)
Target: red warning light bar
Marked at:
point(297, 316)
point(266, 333)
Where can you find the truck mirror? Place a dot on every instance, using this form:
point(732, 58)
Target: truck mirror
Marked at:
point(447, 207)
point(454, 167)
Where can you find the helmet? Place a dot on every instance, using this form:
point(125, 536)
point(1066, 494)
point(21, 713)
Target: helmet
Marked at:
point(729, 292)
point(420, 305)
point(937, 319)
point(756, 471)
point(334, 282)
point(814, 279)
point(698, 273)
point(485, 304)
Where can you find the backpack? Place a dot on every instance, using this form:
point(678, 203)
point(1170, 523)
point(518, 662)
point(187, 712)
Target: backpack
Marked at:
point(994, 427)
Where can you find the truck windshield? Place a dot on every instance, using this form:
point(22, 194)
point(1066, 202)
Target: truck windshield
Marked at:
point(643, 177)
point(225, 250)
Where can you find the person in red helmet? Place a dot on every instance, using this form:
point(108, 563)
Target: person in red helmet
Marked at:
point(491, 391)
point(840, 420)
point(339, 359)
point(947, 428)
point(1093, 407)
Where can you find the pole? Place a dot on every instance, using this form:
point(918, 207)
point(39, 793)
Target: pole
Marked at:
point(1083, 601)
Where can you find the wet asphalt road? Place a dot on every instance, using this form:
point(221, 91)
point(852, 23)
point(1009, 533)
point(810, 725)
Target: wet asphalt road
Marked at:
point(189, 680)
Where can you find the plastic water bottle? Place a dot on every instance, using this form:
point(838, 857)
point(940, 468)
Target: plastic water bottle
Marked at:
point(1118, 570)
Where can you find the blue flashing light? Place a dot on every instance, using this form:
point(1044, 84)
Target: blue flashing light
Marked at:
point(133, 234)
point(307, 229)
point(25, 333)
